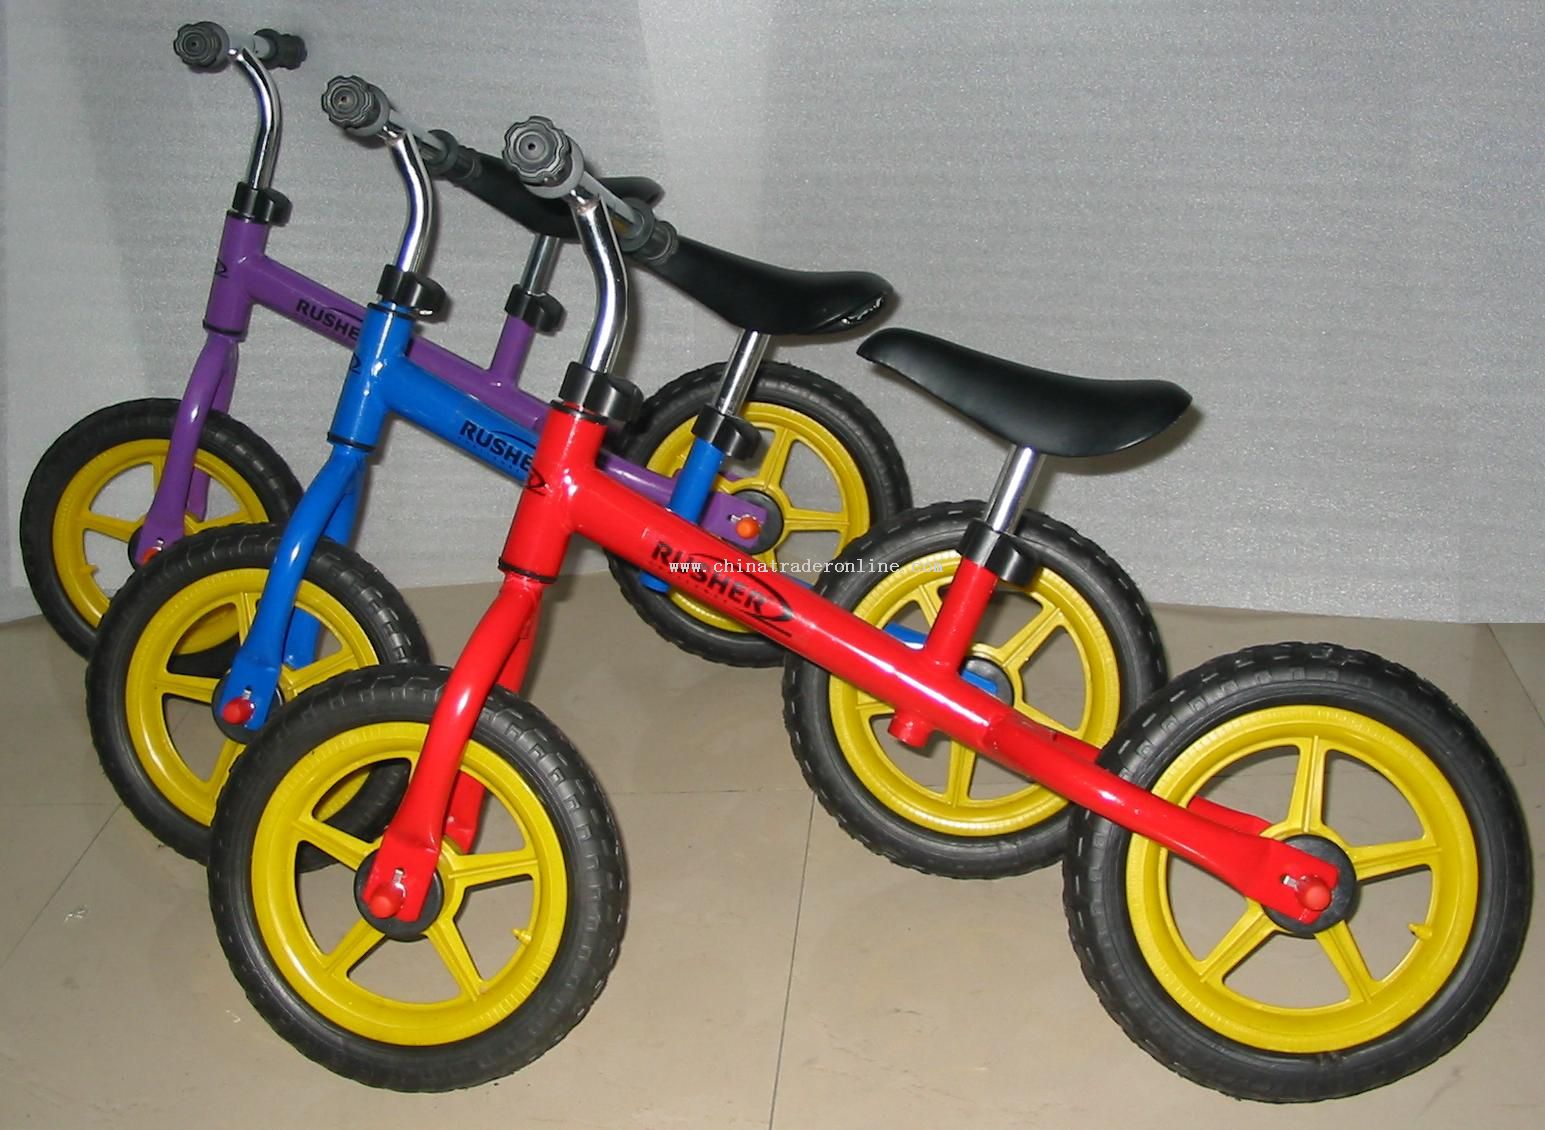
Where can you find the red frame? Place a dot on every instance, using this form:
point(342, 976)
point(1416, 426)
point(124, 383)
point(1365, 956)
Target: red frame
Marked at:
point(567, 495)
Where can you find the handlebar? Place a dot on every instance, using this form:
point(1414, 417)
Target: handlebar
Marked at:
point(551, 164)
point(206, 46)
point(363, 110)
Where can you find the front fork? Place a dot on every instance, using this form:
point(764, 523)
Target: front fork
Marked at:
point(442, 802)
point(182, 488)
point(281, 635)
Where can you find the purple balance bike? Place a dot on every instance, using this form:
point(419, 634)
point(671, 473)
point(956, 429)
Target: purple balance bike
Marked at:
point(86, 523)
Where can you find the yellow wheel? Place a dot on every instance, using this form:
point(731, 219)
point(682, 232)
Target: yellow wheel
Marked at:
point(1074, 649)
point(528, 921)
point(1354, 759)
point(826, 473)
point(151, 715)
point(87, 498)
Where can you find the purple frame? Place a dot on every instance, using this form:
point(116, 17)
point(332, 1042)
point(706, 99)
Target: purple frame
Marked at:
point(245, 276)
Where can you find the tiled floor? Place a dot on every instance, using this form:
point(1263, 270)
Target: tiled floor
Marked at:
point(774, 973)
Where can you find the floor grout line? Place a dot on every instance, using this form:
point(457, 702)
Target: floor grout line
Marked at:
point(788, 989)
point(1539, 707)
point(16, 945)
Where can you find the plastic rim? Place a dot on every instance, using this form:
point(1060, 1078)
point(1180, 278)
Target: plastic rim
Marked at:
point(74, 518)
point(788, 426)
point(229, 598)
point(1373, 1006)
point(954, 811)
point(322, 977)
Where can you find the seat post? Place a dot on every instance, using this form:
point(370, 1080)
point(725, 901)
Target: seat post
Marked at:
point(540, 261)
point(740, 371)
point(1012, 490)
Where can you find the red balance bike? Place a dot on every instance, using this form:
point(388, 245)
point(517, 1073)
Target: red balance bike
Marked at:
point(1187, 866)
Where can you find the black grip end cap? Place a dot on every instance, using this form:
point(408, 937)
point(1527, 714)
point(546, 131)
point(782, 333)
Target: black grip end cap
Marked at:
point(201, 46)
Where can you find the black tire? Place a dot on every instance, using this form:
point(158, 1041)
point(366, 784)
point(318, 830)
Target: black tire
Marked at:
point(132, 736)
point(1121, 628)
point(862, 436)
point(591, 931)
point(1449, 752)
point(243, 453)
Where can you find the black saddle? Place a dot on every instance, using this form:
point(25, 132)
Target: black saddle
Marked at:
point(1051, 412)
point(772, 300)
point(746, 293)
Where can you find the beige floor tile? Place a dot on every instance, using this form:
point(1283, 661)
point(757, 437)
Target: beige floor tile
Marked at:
point(39, 846)
point(42, 675)
point(46, 756)
point(118, 1008)
point(907, 1002)
point(919, 1002)
point(1524, 645)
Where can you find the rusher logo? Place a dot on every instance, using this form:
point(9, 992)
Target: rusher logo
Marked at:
point(716, 575)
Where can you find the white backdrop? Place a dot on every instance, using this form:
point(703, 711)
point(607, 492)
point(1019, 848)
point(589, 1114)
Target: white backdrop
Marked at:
point(1321, 218)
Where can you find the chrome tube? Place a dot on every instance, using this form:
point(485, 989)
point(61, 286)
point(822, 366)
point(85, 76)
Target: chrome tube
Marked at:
point(421, 197)
point(265, 145)
point(611, 279)
point(740, 371)
point(1012, 490)
point(538, 275)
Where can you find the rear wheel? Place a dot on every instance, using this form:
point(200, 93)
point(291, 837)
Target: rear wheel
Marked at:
point(530, 919)
point(1075, 649)
point(828, 472)
point(1358, 760)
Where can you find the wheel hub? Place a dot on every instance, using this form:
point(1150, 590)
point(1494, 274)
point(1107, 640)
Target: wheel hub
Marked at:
point(772, 526)
point(1342, 900)
point(132, 547)
point(395, 928)
point(231, 720)
point(988, 671)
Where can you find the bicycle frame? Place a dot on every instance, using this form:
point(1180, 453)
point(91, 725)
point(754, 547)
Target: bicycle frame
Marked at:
point(566, 496)
point(245, 276)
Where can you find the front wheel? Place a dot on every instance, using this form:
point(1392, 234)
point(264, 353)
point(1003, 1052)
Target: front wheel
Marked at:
point(828, 472)
point(1075, 649)
point(150, 707)
point(88, 495)
point(1354, 759)
point(530, 920)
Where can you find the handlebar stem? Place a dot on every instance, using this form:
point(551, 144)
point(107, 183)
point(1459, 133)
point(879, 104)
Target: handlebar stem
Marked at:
point(421, 198)
point(265, 144)
point(611, 280)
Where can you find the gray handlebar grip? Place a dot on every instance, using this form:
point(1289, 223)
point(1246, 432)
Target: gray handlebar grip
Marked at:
point(356, 105)
point(544, 158)
point(284, 52)
point(202, 46)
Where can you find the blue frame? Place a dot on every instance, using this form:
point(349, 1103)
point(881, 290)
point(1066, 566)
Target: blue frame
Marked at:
point(382, 382)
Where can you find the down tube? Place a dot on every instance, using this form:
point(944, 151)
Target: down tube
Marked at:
point(871, 660)
point(784, 610)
